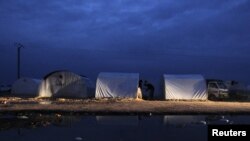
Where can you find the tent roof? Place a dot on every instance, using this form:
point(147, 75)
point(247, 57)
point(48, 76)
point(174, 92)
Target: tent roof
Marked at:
point(183, 76)
point(49, 74)
point(27, 78)
point(118, 75)
point(58, 71)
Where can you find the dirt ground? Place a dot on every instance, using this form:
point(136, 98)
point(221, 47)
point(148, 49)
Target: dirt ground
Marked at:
point(121, 106)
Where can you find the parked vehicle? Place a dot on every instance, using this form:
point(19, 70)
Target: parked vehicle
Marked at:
point(217, 90)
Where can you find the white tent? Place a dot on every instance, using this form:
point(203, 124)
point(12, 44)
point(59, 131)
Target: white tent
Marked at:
point(25, 87)
point(65, 84)
point(111, 85)
point(185, 87)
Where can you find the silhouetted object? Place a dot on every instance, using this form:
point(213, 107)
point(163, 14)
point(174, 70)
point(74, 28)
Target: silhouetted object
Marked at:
point(140, 84)
point(150, 89)
point(234, 83)
point(19, 46)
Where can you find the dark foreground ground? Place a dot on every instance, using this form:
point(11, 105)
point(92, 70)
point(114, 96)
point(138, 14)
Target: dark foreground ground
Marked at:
point(121, 106)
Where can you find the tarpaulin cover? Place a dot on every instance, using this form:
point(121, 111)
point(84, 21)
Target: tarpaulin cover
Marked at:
point(113, 85)
point(185, 87)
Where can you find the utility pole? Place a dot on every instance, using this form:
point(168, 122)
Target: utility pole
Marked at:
point(19, 46)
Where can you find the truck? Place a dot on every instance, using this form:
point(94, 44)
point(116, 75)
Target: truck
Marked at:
point(217, 90)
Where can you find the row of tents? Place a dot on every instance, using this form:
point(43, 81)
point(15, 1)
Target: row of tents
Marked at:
point(67, 84)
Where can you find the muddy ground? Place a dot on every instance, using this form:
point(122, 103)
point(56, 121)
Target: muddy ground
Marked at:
point(121, 106)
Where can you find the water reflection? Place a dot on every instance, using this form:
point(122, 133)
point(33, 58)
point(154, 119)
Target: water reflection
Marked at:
point(36, 121)
point(118, 120)
point(183, 120)
point(78, 127)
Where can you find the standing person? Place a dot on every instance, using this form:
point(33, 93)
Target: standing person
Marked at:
point(150, 89)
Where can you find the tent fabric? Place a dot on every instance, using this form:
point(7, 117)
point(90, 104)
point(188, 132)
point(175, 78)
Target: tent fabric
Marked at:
point(113, 85)
point(186, 87)
point(65, 84)
point(25, 87)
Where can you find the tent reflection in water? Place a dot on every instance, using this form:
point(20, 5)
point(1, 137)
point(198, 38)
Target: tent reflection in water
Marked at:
point(185, 87)
point(25, 87)
point(66, 84)
point(183, 119)
point(117, 85)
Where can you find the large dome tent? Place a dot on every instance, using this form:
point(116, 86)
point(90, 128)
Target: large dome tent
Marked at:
point(65, 84)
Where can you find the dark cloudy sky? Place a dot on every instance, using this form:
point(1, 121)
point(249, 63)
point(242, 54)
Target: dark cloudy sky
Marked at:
point(152, 37)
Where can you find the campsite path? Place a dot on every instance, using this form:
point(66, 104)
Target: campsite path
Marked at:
point(121, 106)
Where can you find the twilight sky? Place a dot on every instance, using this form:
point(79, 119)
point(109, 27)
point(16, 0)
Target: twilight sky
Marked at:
point(152, 37)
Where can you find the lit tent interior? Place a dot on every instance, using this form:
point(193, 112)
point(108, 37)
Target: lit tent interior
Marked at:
point(117, 85)
point(66, 84)
point(185, 87)
point(25, 87)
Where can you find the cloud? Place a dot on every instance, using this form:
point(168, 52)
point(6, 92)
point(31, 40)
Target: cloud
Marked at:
point(128, 29)
point(185, 24)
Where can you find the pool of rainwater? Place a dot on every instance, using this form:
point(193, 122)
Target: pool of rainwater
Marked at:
point(52, 127)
